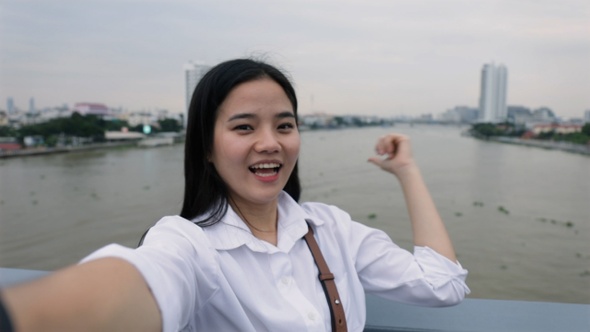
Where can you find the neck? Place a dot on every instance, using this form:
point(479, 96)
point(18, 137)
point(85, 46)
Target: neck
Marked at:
point(260, 219)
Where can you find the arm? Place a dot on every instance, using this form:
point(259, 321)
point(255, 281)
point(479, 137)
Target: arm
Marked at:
point(107, 294)
point(428, 228)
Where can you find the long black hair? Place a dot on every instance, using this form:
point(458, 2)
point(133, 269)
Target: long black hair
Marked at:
point(205, 192)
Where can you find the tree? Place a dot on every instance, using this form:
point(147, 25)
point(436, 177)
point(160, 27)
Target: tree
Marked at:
point(6, 131)
point(75, 126)
point(486, 129)
point(169, 125)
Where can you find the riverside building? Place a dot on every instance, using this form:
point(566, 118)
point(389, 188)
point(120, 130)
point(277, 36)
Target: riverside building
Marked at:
point(492, 99)
point(193, 72)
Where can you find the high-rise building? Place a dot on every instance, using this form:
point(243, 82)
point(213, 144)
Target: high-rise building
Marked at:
point(492, 99)
point(10, 105)
point(32, 105)
point(193, 72)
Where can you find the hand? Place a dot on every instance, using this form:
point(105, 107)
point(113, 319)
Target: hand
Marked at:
point(395, 153)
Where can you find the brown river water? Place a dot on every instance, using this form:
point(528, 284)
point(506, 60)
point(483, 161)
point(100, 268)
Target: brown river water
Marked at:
point(519, 216)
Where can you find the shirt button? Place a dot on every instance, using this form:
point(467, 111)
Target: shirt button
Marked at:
point(311, 316)
point(285, 281)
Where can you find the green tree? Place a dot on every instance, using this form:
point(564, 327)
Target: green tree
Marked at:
point(6, 131)
point(576, 138)
point(169, 125)
point(114, 125)
point(138, 128)
point(486, 129)
point(546, 135)
point(77, 125)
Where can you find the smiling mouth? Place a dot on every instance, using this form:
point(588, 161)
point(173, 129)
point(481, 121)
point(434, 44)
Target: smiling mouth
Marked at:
point(265, 169)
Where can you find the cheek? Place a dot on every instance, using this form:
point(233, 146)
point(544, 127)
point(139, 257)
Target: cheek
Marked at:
point(228, 154)
point(225, 152)
point(292, 150)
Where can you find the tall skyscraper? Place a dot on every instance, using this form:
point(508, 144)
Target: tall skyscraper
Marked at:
point(193, 72)
point(32, 105)
point(10, 105)
point(492, 98)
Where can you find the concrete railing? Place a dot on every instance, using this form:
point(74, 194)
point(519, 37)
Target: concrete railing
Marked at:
point(470, 315)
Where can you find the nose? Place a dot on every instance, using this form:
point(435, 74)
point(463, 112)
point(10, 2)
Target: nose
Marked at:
point(267, 142)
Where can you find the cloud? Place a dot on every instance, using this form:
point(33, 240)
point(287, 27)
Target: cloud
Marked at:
point(352, 56)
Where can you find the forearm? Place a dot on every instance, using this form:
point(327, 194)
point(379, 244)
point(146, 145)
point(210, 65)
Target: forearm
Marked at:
point(427, 225)
point(103, 295)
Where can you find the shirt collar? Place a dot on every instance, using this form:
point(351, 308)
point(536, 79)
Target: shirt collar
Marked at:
point(231, 232)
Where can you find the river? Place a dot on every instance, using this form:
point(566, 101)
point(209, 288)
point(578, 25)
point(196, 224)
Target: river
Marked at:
point(519, 216)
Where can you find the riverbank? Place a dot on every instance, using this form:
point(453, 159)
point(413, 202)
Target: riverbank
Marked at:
point(549, 145)
point(143, 143)
point(66, 149)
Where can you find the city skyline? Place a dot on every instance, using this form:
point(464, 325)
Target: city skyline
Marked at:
point(352, 57)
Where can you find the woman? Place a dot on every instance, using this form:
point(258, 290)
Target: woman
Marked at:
point(247, 267)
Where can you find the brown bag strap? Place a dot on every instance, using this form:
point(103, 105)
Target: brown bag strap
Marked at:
point(327, 281)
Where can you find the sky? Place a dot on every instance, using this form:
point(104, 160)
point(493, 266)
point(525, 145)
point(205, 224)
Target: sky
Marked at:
point(374, 57)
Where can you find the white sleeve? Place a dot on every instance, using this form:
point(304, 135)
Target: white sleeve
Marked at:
point(425, 278)
point(178, 265)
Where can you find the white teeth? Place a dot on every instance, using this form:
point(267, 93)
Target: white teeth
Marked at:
point(266, 174)
point(269, 165)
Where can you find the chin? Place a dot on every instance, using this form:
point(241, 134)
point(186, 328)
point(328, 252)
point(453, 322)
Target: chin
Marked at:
point(262, 197)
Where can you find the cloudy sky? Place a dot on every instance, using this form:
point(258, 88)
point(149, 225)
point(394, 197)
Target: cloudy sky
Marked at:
point(382, 57)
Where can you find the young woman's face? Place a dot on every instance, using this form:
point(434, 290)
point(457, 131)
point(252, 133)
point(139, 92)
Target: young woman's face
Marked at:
point(256, 142)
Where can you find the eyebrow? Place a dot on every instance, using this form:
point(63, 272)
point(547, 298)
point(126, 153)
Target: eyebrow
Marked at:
point(240, 116)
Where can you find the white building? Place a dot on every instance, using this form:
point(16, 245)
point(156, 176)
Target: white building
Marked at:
point(492, 99)
point(97, 109)
point(55, 113)
point(141, 118)
point(544, 115)
point(460, 114)
point(193, 72)
point(3, 118)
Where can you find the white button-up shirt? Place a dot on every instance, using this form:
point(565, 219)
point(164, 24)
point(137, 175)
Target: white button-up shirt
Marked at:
point(222, 278)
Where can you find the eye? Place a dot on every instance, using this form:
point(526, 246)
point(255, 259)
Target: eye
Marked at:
point(243, 127)
point(286, 126)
